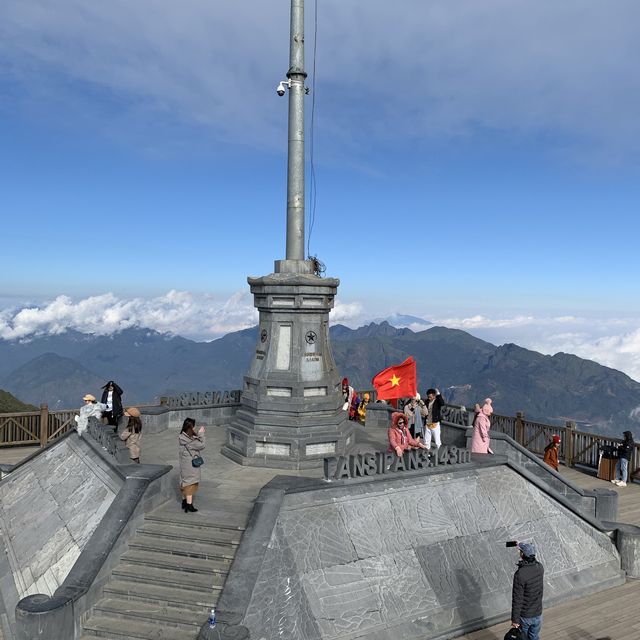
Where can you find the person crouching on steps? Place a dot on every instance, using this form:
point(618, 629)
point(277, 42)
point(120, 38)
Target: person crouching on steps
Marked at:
point(132, 435)
point(190, 445)
point(400, 439)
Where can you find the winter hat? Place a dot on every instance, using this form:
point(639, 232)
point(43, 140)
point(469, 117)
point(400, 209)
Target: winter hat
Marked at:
point(487, 409)
point(345, 382)
point(528, 550)
point(133, 412)
point(556, 439)
point(89, 397)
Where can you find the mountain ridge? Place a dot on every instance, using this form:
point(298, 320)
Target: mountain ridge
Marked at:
point(148, 364)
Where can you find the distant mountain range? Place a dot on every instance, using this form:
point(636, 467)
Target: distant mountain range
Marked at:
point(60, 369)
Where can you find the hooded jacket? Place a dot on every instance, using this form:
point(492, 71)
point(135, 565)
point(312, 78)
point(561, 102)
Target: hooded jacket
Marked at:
point(116, 399)
point(400, 436)
point(480, 441)
point(528, 586)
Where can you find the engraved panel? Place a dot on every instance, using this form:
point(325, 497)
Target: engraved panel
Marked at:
point(279, 392)
point(272, 449)
point(283, 354)
point(315, 391)
point(321, 448)
point(283, 302)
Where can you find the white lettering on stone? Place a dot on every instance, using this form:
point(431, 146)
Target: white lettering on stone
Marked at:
point(283, 354)
point(320, 448)
point(272, 449)
point(280, 392)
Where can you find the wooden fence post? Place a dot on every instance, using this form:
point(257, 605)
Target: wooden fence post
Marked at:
point(44, 424)
point(520, 428)
point(569, 443)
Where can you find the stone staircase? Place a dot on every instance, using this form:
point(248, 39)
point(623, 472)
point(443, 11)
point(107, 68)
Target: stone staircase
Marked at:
point(171, 575)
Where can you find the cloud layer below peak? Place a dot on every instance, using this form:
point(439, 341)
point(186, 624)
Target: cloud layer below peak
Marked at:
point(613, 342)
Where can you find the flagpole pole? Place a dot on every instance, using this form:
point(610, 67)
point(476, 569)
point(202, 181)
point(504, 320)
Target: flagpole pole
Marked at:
point(295, 168)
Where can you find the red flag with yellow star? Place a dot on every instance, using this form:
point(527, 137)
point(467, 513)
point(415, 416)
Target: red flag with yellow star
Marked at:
point(398, 381)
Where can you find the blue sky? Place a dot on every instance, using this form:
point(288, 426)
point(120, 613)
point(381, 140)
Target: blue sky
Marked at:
point(477, 165)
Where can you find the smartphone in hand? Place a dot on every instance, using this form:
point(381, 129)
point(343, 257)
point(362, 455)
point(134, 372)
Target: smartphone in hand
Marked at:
point(511, 543)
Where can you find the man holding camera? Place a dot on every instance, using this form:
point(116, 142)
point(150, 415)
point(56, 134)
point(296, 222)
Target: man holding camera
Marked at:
point(526, 600)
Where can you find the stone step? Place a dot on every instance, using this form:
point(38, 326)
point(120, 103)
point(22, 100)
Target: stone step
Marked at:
point(182, 547)
point(196, 582)
point(168, 595)
point(175, 562)
point(196, 534)
point(125, 629)
point(201, 519)
point(186, 617)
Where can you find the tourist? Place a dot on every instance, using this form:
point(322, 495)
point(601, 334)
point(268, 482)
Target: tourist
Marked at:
point(625, 451)
point(481, 424)
point(400, 439)
point(348, 395)
point(190, 445)
point(112, 398)
point(362, 408)
point(90, 409)
point(551, 452)
point(526, 599)
point(132, 435)
point(434, 406)
point(416, 411)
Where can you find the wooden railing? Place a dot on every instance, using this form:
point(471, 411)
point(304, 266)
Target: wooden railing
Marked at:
point(26, 428)
point(576, 447)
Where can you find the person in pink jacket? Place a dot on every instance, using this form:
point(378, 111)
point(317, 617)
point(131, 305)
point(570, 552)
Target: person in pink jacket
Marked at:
point(481, 425)
point(399, 436)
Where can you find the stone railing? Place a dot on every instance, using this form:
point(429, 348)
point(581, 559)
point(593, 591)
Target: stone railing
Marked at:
point(109, 441)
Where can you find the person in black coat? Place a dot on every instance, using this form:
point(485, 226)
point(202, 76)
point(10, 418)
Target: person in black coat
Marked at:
point(526, 599)
point(112, 398)
point(625, 451)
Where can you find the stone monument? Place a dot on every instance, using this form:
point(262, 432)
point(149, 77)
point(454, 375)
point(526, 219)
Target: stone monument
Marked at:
point(291, 413)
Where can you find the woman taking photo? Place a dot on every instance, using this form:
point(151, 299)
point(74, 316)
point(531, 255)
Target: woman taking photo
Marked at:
point(190, 444)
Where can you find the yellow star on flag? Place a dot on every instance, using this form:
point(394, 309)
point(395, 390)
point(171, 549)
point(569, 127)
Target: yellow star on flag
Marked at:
point(395, 381)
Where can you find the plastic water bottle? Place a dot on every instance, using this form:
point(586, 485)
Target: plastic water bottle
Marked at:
point(212, 618)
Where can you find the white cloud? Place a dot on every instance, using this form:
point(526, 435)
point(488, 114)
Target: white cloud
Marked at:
point(611, 342)
point(197, 316)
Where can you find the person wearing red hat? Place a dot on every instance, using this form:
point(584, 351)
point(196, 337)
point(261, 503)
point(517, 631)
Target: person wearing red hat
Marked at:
point(551, 452)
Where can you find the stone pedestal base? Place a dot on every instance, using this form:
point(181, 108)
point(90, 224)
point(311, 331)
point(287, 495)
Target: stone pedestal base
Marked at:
point(291, 414)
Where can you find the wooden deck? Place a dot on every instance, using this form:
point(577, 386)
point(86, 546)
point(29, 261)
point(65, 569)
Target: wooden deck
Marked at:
point(613, 614)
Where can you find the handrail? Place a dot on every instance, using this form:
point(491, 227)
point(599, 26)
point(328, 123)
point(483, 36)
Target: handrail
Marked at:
point(577, 447)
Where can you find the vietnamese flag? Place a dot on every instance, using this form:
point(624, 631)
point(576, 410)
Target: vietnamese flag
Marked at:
point(398, 381)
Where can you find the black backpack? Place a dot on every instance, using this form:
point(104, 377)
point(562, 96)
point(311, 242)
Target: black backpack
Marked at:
point(514, 634)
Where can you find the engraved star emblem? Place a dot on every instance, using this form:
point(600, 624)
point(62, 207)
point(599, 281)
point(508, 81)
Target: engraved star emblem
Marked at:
point(395, 381)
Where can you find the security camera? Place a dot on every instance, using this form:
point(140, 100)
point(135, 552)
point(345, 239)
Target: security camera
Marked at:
point(281, 88)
